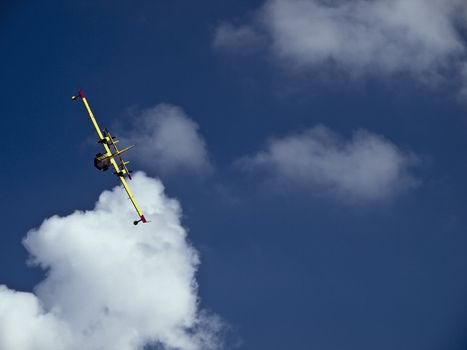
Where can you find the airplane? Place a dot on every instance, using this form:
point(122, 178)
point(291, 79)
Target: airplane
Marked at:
point(103, 161)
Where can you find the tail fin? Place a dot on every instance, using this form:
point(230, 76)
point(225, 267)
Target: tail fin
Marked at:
point(118, 153)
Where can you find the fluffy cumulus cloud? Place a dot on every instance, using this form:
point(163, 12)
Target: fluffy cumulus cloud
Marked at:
point(361, 37)
point(365, 167)
point(170, 141)
point(109, 284)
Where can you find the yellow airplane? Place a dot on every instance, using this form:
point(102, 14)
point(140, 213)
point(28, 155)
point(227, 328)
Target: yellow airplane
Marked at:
point(105, 160)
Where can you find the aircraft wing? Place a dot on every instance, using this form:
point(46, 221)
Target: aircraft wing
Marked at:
point(91, 115)
point(127, 189)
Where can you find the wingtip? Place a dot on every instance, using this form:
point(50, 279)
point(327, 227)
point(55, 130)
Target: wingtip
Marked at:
point(80, 94)
point(142, 219)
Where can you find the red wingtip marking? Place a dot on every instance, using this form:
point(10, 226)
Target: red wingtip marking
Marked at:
point(81, 94)
point(143, 219)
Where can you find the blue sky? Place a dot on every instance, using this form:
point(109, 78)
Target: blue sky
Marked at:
point(317, 151)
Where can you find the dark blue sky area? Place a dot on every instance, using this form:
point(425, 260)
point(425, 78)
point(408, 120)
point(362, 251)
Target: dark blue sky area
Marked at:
point(287, 270)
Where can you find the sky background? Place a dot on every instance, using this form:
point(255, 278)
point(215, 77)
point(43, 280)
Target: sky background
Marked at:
point(320, 167)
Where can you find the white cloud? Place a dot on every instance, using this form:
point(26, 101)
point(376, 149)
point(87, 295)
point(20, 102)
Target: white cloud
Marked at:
point(463, 91)
point(366, 167)
point(238, 38)
point(365, 37)
point(168, 140)
point(110, 284)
